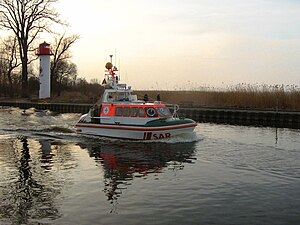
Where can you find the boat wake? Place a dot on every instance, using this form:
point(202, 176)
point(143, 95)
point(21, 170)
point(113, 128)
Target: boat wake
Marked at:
point(36, 123)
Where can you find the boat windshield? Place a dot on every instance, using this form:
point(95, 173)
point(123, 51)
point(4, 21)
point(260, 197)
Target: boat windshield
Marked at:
point(164, 112)
point(118, 96)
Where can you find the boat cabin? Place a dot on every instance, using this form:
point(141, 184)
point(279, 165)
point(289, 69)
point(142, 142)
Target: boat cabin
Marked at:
point(120, 106)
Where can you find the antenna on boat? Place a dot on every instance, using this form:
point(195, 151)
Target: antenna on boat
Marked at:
point(119, 70)
point(111, 76)
point(115, 57)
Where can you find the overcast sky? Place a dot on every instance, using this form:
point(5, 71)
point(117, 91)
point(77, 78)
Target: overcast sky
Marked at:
point(168, 44)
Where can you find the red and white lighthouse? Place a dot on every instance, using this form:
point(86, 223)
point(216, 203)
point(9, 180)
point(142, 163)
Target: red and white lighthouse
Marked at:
point(44, 52)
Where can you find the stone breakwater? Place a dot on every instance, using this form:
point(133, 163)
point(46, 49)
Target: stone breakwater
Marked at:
point(273, 118)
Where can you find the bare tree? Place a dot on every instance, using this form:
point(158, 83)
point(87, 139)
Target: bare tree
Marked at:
point(66, 73)
point(9, 60)
point(61, 52)
point(27, 18)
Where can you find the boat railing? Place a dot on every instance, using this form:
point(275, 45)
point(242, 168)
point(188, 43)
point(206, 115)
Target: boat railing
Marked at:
point(174, 109)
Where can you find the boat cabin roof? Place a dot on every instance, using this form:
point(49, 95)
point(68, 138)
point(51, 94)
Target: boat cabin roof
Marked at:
point(118, 95)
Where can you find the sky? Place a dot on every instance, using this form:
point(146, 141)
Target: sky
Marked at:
point(176, 44)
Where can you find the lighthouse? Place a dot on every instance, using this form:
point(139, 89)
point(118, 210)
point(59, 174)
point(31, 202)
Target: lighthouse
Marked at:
point(44, 53)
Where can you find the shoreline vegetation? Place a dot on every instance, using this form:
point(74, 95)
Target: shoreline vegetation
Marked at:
point(243, 96)
point(284, 98)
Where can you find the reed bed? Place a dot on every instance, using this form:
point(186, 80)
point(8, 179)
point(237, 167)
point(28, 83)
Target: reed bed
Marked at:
point(281, 97)
point(241, 96)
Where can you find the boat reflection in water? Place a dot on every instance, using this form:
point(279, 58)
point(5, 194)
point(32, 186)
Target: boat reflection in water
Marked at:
point(124, 161)
point(39, 176)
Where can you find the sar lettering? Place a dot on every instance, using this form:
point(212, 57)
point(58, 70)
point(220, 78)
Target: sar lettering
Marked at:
point(161, 136)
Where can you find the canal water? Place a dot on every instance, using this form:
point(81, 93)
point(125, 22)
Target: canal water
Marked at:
point(221, 175)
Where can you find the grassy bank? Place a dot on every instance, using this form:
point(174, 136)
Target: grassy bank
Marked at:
point(285, 98)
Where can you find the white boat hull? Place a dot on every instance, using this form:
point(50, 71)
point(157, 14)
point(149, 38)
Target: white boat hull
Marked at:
point(134, 132)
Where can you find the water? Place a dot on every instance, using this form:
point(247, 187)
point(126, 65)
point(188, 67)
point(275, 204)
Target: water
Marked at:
point(222, 175)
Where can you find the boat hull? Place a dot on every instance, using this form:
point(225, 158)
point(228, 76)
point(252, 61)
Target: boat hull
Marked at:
point(135, 132)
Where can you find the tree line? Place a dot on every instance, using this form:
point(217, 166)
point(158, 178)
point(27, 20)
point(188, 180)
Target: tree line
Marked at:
point(23, 21)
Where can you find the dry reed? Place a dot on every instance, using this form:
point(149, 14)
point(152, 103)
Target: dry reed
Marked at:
point(238, 96)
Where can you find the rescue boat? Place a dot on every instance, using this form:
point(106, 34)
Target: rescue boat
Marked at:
point(120, 114)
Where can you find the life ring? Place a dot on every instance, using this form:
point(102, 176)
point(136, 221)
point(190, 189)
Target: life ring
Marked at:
point(151, 112)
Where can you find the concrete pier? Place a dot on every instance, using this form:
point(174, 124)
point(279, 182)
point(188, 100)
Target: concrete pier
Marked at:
point(199, 114)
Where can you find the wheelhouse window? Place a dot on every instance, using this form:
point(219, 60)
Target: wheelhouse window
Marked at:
point(126, 111)
point(142, 112)
point(119, 111)
point(134, 111)
point(164, 112)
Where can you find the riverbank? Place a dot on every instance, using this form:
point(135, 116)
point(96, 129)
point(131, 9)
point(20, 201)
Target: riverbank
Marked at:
point(239, 96)
point(243, 96)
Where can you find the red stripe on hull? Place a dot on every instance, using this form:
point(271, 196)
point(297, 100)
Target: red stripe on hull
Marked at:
point(117, 127)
